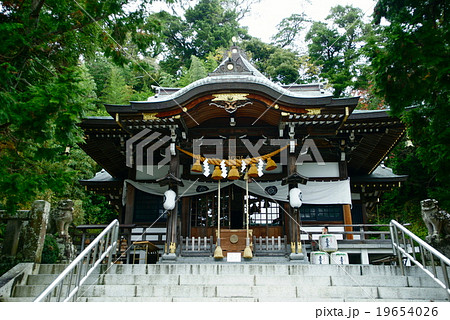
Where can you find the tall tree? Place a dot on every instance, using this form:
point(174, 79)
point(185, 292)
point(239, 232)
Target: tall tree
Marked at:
point(116, 90)
point(278, 64)
point(335, 46)
point(206, 27)
point(410, 61)
point(42, 92)
point(289, 30)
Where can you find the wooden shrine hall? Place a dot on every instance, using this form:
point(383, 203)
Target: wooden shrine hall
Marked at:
point(217, 160)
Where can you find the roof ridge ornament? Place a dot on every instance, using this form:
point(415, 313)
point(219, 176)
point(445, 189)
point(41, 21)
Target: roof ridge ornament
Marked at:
point(229, 101)
point(235, 61)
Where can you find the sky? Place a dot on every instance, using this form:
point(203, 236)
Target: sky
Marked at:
point(266, 15)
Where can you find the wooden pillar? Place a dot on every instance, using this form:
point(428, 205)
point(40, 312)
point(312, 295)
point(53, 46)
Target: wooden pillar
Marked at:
point(129, 204)
point(172, 221)
point(185, 217)
point(294, 214)
point(348, 220)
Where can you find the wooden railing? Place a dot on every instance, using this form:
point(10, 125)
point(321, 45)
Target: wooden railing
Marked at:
point(360, 233)
point(269, 245)
point(197, 246)
point(204, 246)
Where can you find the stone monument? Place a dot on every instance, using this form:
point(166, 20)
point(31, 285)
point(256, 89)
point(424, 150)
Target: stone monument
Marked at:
point(437, 222)
point(60, 219)
point(34, 231)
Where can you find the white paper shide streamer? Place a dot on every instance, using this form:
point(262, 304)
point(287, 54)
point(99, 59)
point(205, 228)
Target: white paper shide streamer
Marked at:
point(260, 167)
point(206, 171)
point(223, 167)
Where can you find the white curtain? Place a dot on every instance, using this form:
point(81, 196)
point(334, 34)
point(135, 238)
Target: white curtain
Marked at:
point(314, 192)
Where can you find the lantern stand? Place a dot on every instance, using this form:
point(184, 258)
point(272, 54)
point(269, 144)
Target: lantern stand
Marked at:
point(292, 181)
point(218, 254)
point(247, 251)
point(170, 246)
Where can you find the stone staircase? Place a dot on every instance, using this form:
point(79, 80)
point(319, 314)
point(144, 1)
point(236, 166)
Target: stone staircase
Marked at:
point(242, 282)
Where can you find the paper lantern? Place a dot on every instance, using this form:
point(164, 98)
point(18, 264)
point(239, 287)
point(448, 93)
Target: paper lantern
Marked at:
point(253, 171)
point(271, 165)
point(197, 167)
point(217, 173)
point(233, 174)
point(169, 200)
point(295, 198)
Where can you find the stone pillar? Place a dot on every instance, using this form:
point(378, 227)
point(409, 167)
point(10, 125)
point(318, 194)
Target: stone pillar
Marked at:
point(12, 234)
point(34, 232)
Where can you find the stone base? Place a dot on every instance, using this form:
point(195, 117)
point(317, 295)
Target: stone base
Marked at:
point(296, 256)
point(67, 251)
point(169, 257)
point(300, 257)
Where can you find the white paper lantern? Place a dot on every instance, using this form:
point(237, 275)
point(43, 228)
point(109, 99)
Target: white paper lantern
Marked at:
point(169, 199)
point(295, 198)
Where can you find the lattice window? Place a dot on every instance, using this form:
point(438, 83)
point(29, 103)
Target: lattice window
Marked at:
point(148, 207)
point(263, 211)
point(204, 210)
point(310, 212)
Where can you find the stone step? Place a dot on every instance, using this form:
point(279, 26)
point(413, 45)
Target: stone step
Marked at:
point(255, 269)
point(264, 269)
point(248, 291)
point(258, 280)
point(243, 282)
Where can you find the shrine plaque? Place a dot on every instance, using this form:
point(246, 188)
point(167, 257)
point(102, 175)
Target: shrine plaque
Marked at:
point(234, 257)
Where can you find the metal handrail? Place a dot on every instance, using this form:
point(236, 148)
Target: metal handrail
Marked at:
point(404, 241)
point(82, 267)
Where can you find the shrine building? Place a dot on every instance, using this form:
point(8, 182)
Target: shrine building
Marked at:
point(230, 147)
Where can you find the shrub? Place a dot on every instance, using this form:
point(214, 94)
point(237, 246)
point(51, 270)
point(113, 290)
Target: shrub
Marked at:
point(50, 253)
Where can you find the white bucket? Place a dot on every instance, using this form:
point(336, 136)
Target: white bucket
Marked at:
point(328, 243)
point(319, 257)
point(339, 257)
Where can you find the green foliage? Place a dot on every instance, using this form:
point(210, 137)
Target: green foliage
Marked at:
point(278, 64)
point(50, 252)
point(410, 62)
point(335, 47)
point(206, 27)
point(289, 29)
point(7, 263)
point(116, 90)
point(97, 210)
point(44, 90)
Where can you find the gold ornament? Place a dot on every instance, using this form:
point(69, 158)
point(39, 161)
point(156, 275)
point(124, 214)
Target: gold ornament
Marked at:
point(271, 165)
point(233, 174)
point(197, 167)
point(217, 174)
point(253, 171)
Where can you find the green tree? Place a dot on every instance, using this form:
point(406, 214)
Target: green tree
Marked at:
point(116, 90)
point(278, 64)
point(410, 63)
point(289, 30)
point(335, 47)
point(204, 28)
point(42, 90)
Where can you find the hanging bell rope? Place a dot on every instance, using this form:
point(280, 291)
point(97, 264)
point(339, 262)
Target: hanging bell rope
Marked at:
point(235, 162)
